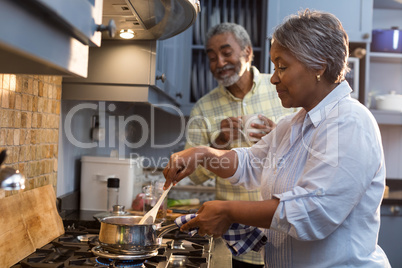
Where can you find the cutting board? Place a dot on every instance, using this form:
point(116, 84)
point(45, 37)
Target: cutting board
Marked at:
point(28, 221)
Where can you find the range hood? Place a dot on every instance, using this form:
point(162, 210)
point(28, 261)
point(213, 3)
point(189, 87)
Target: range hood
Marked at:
point(150, 19)
point(127, 71)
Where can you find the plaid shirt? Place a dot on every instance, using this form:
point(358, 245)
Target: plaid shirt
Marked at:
point(204, 127)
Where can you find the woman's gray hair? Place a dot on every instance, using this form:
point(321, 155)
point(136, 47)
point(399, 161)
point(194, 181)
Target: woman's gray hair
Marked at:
point(238, 31)
point(316, 39)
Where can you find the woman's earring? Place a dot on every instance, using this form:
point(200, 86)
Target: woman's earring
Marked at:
point(318, 78)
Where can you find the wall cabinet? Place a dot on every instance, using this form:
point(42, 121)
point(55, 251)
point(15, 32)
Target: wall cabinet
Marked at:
point(74, 15)
point(171, 66)
point(390, 235)
point(48, 37)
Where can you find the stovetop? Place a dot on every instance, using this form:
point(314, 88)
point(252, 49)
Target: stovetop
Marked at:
point(74, 249)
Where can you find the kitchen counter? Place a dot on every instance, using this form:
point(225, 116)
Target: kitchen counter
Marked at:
point(221, 255)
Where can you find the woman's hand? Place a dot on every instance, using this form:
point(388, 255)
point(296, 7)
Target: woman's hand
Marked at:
point(212, 219)
point(182, 164)
point(222, 163)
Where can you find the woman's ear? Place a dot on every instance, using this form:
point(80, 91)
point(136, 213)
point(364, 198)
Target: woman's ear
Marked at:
point(320, 72)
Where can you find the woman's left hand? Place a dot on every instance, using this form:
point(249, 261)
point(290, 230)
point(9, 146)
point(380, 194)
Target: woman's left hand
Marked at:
point(212, 219)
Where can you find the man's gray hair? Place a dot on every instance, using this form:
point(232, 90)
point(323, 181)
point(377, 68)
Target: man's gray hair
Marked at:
point(316, 39)
point(238, 31)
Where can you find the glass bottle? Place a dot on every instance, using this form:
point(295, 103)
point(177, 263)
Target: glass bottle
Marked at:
point(148, 198)
point(113, 185)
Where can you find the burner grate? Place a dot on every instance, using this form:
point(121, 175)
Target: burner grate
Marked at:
point(120, 263)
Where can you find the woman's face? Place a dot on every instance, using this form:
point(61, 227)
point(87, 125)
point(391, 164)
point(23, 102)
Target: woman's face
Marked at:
point(296, 85)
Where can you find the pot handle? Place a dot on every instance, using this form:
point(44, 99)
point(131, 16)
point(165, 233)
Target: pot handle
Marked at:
point(166, 229)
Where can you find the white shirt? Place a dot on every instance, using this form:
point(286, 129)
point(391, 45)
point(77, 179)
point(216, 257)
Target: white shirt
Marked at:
point(327, 169)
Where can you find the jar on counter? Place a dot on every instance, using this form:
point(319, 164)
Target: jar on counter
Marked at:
point(152, 194)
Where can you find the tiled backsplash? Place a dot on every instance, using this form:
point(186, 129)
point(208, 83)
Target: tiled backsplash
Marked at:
point(29, 126)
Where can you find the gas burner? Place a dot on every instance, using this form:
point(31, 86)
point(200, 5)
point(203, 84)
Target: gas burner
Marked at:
point(99, 251)
point(87, 237)
point(120, 263)
point(176, 244)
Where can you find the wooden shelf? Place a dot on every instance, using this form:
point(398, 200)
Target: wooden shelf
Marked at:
point(387, 117)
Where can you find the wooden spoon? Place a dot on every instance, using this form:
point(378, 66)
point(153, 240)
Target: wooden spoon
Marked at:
point(150, 217)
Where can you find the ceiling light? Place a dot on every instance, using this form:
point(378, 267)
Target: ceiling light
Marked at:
point(126, 34)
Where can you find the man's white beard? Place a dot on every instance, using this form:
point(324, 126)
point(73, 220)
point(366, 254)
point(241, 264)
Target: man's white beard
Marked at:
point(230, 80)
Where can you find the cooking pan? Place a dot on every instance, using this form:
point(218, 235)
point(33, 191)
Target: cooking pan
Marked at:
point(122, 234)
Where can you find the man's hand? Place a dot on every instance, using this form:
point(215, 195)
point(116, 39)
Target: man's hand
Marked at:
point(229, 132)
point(266, 128)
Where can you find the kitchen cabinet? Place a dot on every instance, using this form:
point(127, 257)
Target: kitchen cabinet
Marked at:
point(171, 59)
point(390, 236)
point(74, 15)
point(355, 15)
point(48, 37)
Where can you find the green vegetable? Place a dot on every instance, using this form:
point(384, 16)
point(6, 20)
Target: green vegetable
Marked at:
point(182, 202)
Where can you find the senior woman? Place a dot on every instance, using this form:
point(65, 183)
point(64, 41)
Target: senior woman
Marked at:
point(321, 171)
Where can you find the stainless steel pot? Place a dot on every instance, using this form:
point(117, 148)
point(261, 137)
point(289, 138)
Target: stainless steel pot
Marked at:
point(123, 235)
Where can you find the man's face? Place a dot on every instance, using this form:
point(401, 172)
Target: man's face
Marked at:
point(227, 61)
